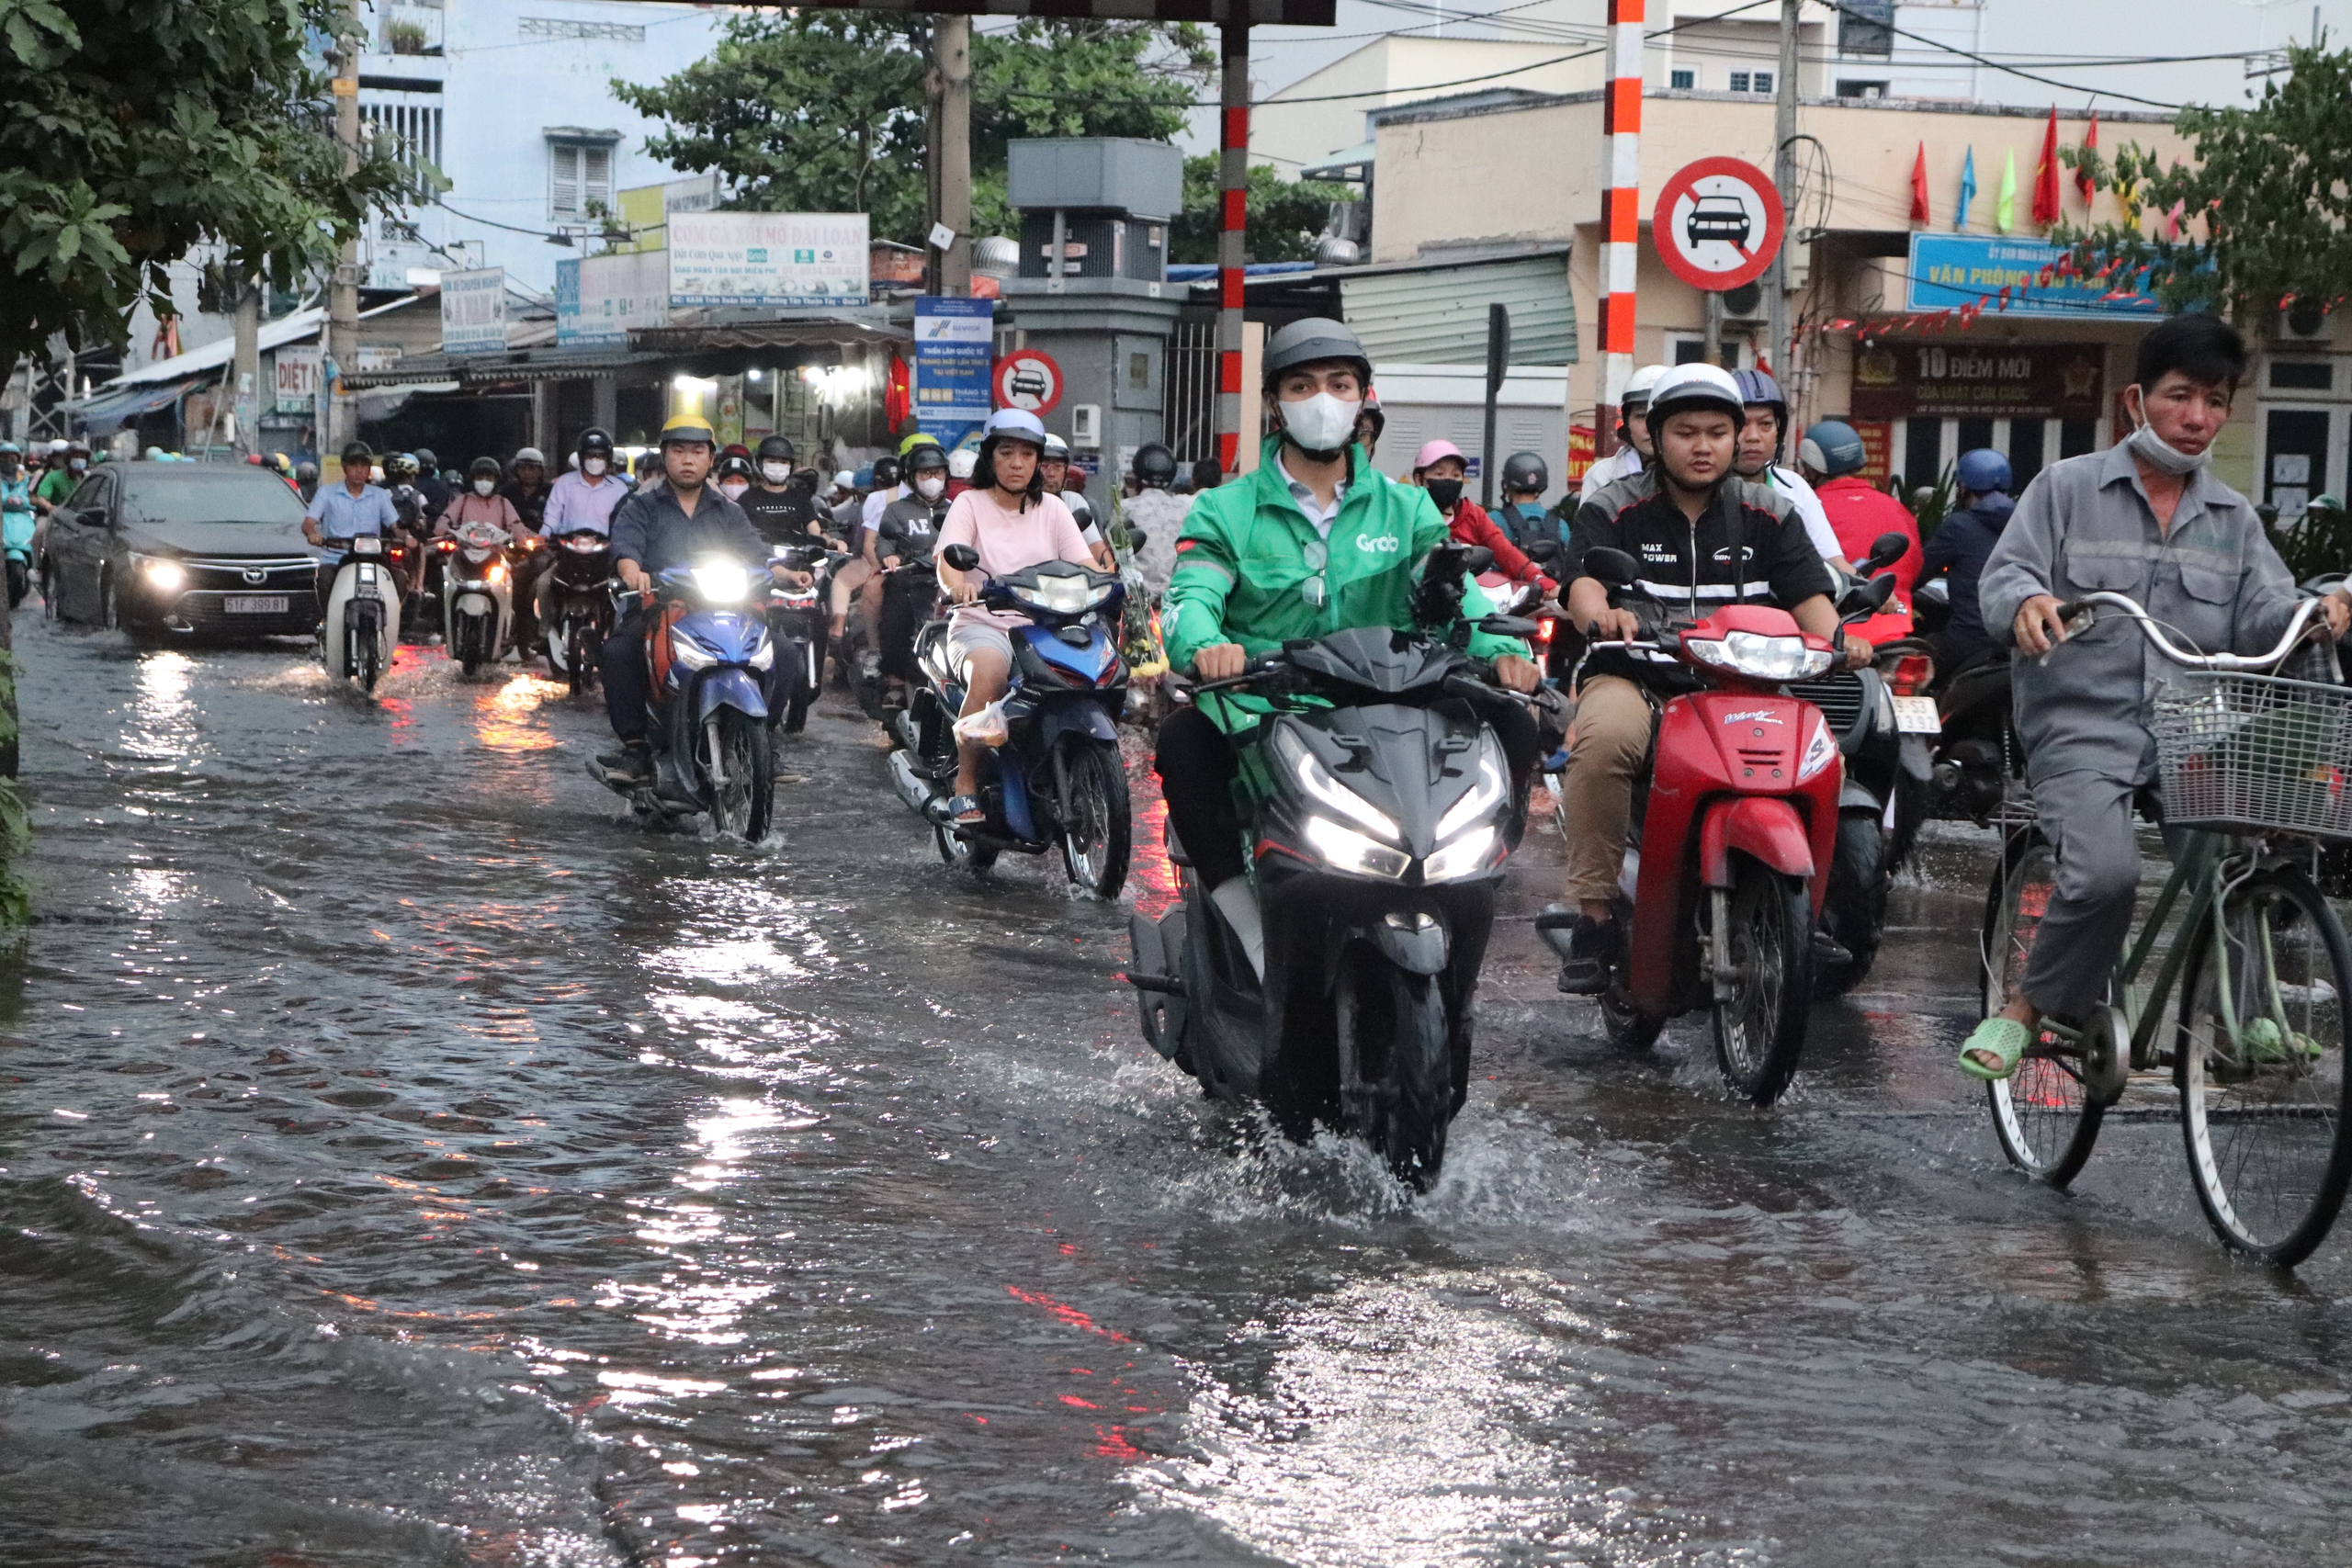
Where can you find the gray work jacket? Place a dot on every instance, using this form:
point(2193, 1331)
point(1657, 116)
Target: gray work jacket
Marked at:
point(2084, 523)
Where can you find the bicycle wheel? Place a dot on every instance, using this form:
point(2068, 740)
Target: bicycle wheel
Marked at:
point(2045, 1118)
point(2263, 1113)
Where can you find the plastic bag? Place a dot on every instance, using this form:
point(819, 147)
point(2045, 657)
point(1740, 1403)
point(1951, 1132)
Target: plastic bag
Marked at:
point(985, 728)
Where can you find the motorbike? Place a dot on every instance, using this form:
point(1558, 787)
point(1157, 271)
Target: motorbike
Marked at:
point(1737, 831)
point(361, 624)
point(477, 594)
point(1379, 814)
point(17, 542)
point(1975, 757)
point(909, 590)
point(708, 656)
point(798, 626)
point(580, 606)
point(1058, 779)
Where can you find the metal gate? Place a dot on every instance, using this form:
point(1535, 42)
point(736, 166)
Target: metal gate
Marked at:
point(1188, 417)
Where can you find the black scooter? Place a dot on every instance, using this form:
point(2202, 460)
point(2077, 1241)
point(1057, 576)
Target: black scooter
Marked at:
point(580, 606)
point(800, 626)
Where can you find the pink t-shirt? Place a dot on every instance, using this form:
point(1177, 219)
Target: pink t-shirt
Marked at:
point(1011, 542)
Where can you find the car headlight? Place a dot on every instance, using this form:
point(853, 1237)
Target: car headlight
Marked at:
point(722, 582)
point(1321, 787)
point(1479, 799)
point(1344, 849)
point(1466, 856)
point(1761, 658)
point(1820, 749)
point(690, 653)
point(168, 576)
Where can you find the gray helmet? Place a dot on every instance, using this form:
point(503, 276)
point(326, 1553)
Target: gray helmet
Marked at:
point(1155, 466)
point(1525, 471)
point(1835, 449)
point(1309, 341)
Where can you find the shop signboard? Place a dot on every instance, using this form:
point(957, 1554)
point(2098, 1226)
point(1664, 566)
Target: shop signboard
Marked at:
point(798, 261)
point(295, 374)
point(598, 298)
point(1938, 379)
point(955, 354)
point(473, 311)
point(1952, 271)
point(1878, 447)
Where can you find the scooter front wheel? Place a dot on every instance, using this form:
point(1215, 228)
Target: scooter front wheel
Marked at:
point(1396, 1072)
point(743, 797)
point(1097, 819)
point(1760, 1029)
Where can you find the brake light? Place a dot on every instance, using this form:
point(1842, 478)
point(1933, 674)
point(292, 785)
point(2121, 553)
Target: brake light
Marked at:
point(1543, 631)
point(1912, 674)
point(444, 545)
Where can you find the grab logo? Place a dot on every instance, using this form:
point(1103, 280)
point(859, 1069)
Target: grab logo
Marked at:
point(1383, 545)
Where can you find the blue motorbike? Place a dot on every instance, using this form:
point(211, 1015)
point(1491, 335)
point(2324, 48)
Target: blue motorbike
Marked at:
point(708, 654)
point(1058, 779)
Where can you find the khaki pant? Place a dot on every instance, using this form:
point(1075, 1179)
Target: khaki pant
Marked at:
point(1613, 734)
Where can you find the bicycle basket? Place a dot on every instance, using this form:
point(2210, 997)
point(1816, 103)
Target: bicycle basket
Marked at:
point(2255, 754)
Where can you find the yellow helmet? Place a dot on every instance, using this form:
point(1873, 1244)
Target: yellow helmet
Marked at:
point(685, 427)
point(917, 439)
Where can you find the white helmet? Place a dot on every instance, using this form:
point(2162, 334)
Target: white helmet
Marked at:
point(1638, 385)
point(961, 462)
point(845, 480)
point(1695, 386)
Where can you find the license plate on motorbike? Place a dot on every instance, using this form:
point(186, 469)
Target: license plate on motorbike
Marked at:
point(1918, 716)
point(253, 604)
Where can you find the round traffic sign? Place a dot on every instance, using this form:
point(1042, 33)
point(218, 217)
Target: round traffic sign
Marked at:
point(1028, 380)
point(1718, 223)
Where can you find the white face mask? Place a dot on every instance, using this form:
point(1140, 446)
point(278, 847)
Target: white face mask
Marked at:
point(484, 487)
point(76, 465)
point(593, 468)
point(1320, 424)
point(775, 473)
point(2158, 453)
point(930, 486)
point(733, 489)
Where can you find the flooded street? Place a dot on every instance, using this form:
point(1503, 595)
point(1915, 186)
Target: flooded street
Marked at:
point(407, 1156)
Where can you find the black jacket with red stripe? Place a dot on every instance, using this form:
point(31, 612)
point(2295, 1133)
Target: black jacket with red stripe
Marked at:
point(1748, 548)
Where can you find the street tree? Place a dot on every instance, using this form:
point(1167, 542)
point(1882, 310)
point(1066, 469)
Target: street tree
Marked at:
point(1282, 218)
point(824, 111)
point(2258, 222)
point(133, 133)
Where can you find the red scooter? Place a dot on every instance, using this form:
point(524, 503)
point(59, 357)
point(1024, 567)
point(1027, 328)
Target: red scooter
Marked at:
point(1737, 831)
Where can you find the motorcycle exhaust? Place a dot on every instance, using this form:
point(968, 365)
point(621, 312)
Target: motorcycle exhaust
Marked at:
point(911, 786)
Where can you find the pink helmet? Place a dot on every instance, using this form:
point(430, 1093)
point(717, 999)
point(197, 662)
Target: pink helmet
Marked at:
point(1434, 452)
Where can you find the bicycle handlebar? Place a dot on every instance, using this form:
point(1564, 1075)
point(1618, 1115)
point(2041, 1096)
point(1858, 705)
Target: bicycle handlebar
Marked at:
point(2296, 630)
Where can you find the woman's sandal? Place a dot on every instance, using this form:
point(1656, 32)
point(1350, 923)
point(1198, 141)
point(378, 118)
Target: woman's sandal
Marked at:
point(966, 811)
point(2002, 1039)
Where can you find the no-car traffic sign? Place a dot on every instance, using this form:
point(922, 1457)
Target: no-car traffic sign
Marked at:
point(1028, 380)
point(1718, 223)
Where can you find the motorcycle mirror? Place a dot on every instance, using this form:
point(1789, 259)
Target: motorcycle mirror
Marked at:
point(1885, 551)
point(1137, 536)
point(963, 558)
point(1867, 597)
point(1508, 626)
point(1546, 551)
point(1609, 567)
point(1477, 558)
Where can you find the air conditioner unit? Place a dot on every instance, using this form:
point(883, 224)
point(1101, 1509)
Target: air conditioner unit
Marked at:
point(1086, 425)
point(2303, 320)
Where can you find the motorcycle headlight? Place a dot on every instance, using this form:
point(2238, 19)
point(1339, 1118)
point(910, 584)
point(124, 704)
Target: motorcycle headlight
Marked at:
point(722, 582)
point(1324, 790)
point(590, 546)
point(1344, 849)
point(1476, 802)
point(1761, 657)
point(166, 576)
point(1466, 856)
point(1820, 749)
point(498, 571)
point(690, 653)
point(1062, 595)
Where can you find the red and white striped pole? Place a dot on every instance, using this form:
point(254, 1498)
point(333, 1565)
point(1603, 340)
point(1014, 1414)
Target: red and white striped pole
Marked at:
point(1232, 241)
point(1621, 220)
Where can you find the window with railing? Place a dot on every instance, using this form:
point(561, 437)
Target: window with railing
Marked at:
point(415, 130)
point(540, 28)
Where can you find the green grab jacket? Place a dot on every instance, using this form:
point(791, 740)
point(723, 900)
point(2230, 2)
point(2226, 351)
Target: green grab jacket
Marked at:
point(1242, 555)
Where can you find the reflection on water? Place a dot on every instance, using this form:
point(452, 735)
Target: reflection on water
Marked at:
point(507, 715)
point(162, 728)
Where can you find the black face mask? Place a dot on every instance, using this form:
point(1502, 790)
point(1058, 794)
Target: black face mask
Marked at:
point(1445, 492)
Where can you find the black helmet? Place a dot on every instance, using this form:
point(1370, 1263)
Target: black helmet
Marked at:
point(927, 455)
point(401, 467)
point(775, 449)
point(356, 455)
point(595, 440)
point(1757, 387)
point(1155, 466)
point(733, 469)
point(886, 472)
point(1525, 471)
point(305, 472)
point(1310, 341)
point(427, 461)
point(483, 468)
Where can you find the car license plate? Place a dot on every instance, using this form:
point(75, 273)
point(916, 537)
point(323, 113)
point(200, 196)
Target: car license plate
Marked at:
point(1918, 716)
point(256, 603)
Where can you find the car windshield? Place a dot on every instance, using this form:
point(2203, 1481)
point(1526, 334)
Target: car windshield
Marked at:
point(219, 495)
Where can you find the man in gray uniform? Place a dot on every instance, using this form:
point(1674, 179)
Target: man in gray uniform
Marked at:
point(2141, 519)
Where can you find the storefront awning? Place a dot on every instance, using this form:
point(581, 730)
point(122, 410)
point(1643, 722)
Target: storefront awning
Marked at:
point(110, 411)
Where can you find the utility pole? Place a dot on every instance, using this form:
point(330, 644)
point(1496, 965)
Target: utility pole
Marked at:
point(1621, 216)
point(1784, 176)
point(248, 402)
point(342, 296)
point(1234, 424)
point(952, 47)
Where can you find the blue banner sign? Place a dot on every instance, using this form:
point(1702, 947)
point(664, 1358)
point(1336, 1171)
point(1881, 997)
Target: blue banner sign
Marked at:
point(1949, 271)
point(954, 356)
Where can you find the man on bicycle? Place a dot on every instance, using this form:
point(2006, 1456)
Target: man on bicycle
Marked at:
point(2143, 519)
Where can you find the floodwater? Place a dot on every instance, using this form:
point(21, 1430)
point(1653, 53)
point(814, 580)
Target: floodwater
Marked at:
point(408, 1157)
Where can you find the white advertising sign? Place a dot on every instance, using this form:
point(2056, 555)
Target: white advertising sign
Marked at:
point(788, 260)
point(473, 311)
point(608, 295)
point(297, 377)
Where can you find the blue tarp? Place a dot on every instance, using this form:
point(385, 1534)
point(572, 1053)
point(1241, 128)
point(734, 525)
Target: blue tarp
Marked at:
point(110, 412)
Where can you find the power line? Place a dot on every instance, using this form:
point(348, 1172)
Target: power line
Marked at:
point(1846, 10)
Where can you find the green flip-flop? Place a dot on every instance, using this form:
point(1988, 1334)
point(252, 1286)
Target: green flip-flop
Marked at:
point(2004, 1038)
point(2266, 1044)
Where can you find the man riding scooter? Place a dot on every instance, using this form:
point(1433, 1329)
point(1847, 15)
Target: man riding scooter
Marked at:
point(1314, 542)
point(1701, 537)
point(1962, 544)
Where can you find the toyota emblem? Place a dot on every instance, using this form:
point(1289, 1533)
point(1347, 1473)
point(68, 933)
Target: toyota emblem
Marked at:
point(255, 574)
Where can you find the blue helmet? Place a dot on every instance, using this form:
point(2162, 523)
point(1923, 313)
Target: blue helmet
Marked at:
point(1982, 472)
point(1833, 447)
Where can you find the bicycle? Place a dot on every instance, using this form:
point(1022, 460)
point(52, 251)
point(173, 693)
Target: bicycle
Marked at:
point(2256, 769)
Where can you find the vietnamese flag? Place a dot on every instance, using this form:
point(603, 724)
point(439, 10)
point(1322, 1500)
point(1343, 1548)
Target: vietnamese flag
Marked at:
point(2082, 181)
point(1919, 186)
point(2046, 175)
